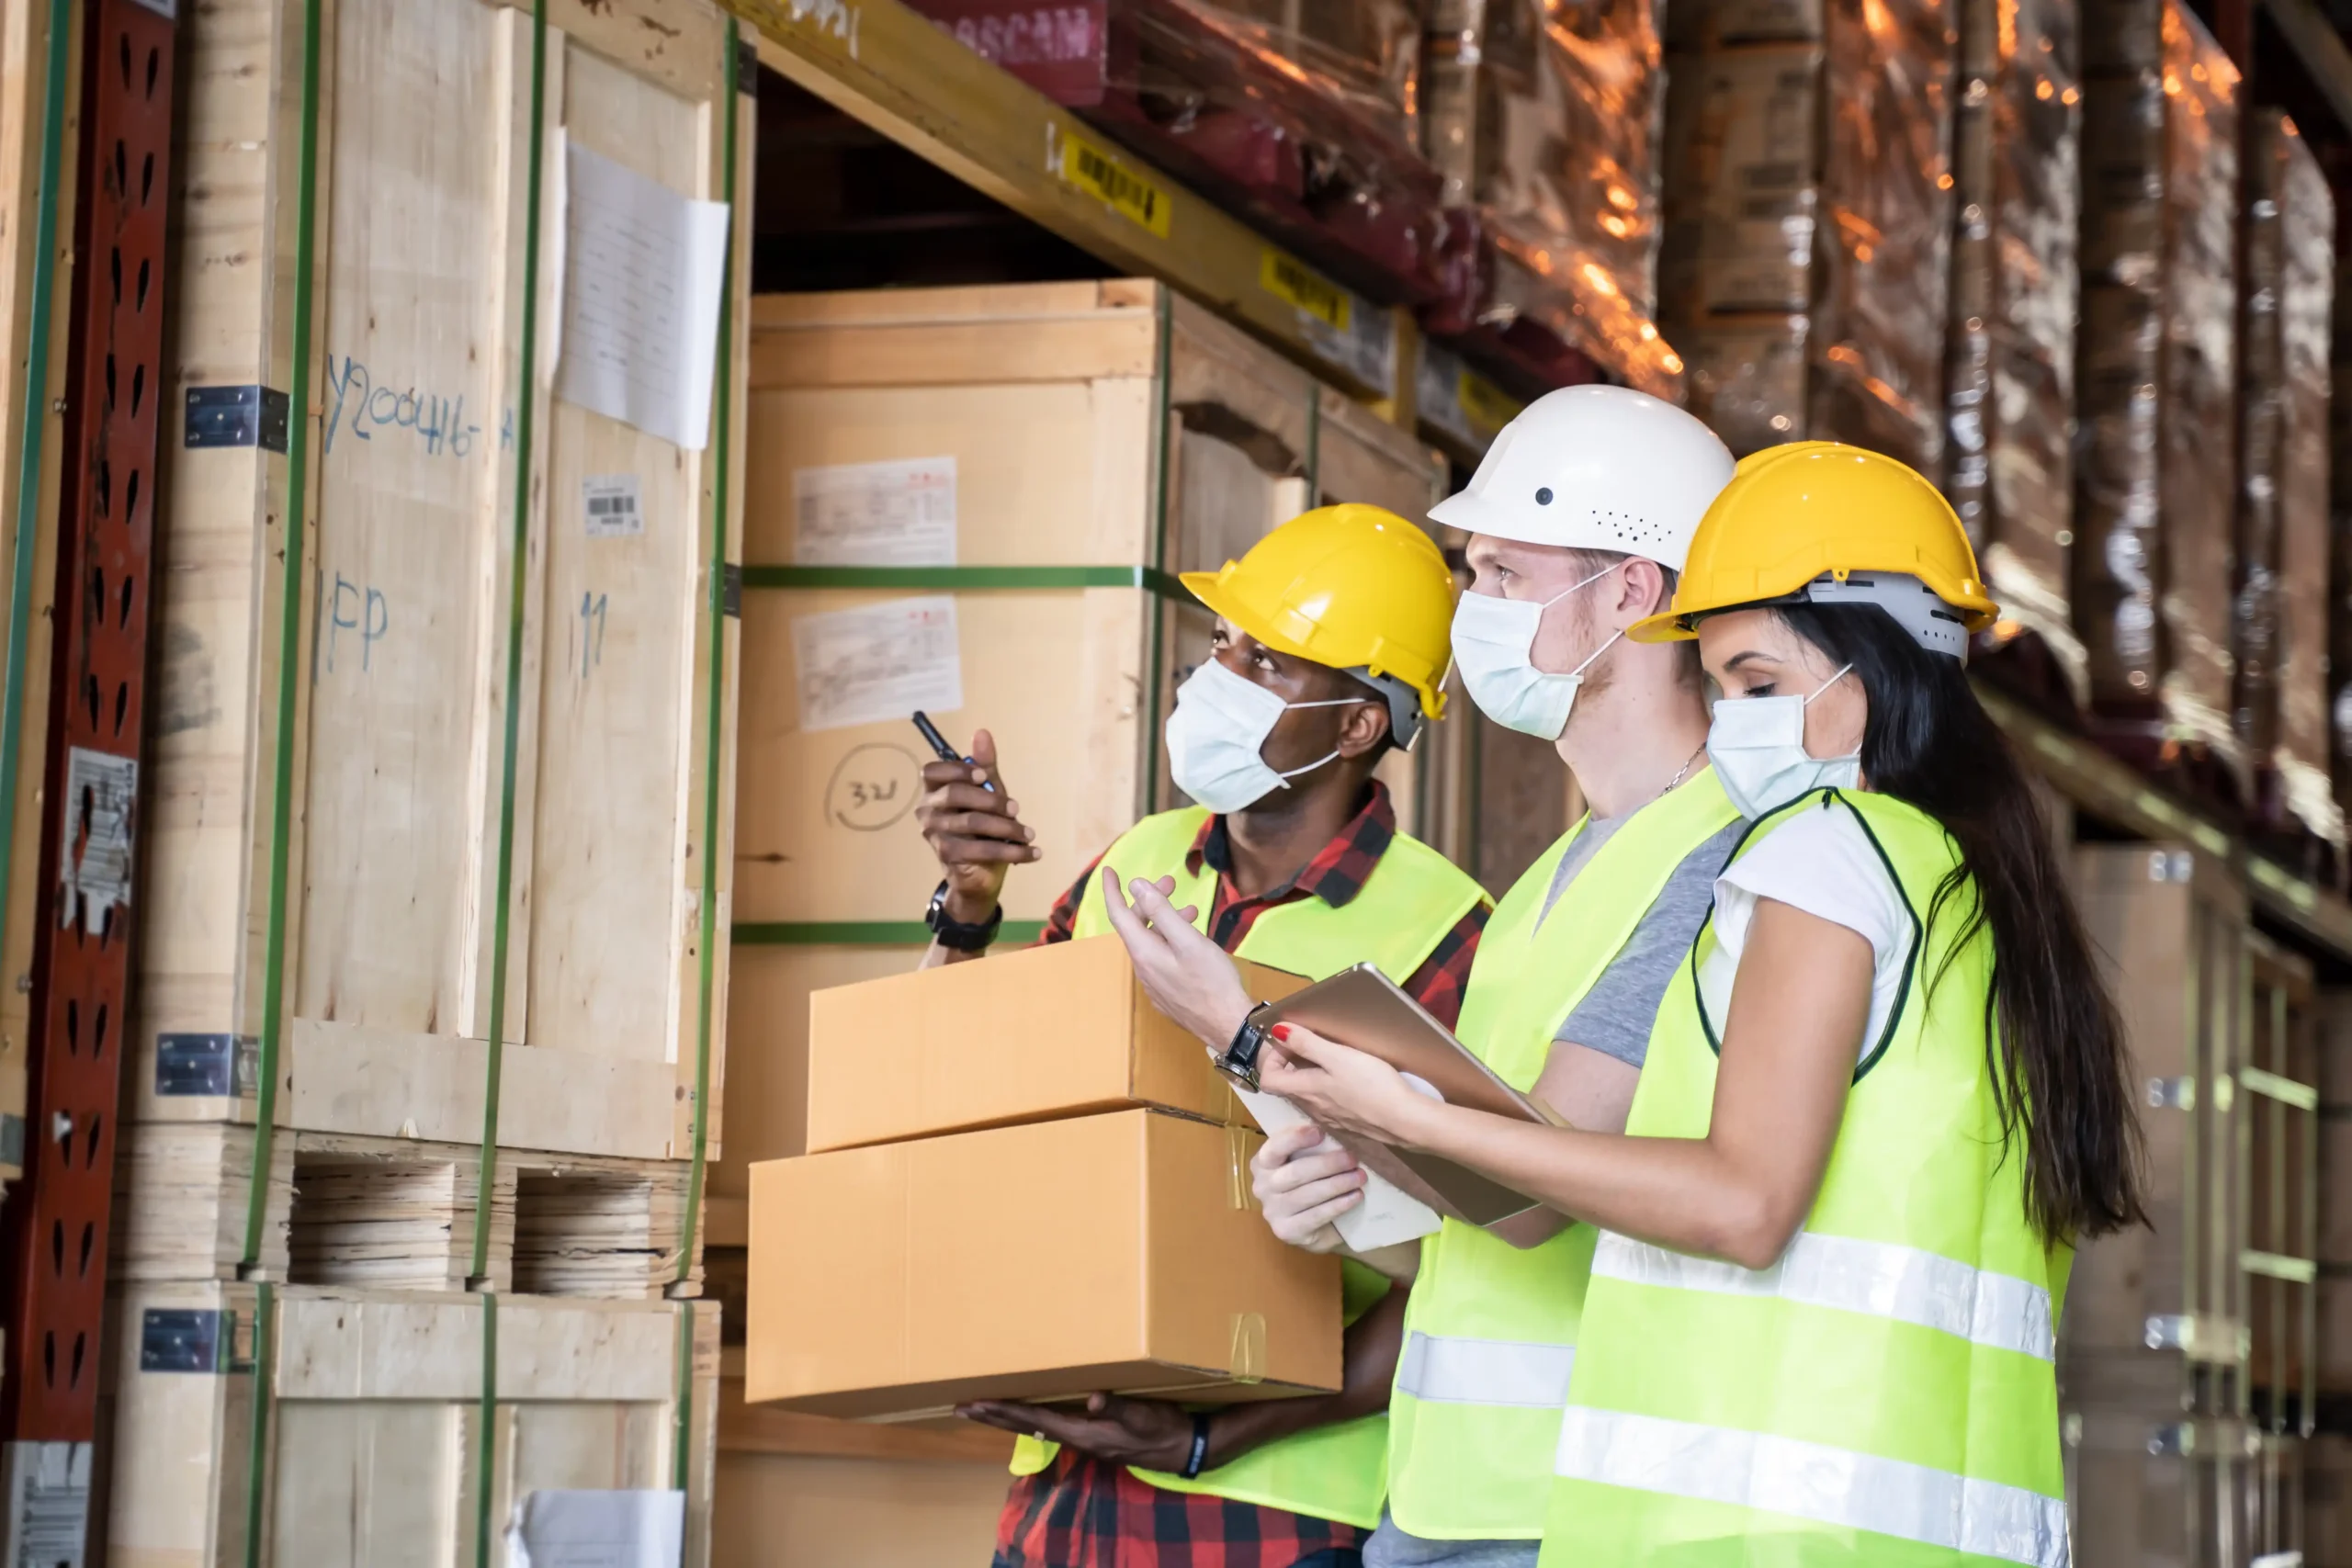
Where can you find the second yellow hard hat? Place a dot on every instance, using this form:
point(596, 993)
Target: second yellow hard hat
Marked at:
point(1796, 513)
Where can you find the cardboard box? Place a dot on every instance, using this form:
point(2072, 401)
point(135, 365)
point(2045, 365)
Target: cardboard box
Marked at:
point(1120, 1252)
point(1046, 1031)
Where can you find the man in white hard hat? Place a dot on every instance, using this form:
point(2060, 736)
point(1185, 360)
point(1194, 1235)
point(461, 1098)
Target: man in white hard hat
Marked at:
point(1578, 517)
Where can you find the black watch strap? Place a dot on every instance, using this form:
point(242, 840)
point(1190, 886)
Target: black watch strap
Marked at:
point(953, 933)
point(1239, 1062)
point(1199, 1453)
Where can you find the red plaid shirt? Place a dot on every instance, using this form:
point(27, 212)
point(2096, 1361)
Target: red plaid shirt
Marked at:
point(1336, 875)
point(1084, 1513)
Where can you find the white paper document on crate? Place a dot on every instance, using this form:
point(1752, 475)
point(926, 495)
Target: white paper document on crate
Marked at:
point(1387, 1216)
point(643, 270)
point(598, 1529)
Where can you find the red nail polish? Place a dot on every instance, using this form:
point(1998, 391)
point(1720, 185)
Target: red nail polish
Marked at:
point(1281, 1032)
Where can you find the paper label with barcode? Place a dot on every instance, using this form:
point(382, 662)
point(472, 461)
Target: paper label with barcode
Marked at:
point(895, 514)
point(612, 505)
point(877, 662)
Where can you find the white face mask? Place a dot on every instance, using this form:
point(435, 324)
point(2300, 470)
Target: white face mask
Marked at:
point(1757, 745)
point(1220, 724)
point(1494, 647)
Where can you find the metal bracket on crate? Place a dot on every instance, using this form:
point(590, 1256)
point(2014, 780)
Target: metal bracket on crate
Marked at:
point(238, 416)
point(2175, 1094)
point(747, 65)
point(2173, 1438)
point(2199, 1337)
point(12, 1141)
point(730, 592)
point(208, 1066)
point(185, 1340)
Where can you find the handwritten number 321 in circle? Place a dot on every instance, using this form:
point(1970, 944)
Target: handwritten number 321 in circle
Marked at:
point(871, 787)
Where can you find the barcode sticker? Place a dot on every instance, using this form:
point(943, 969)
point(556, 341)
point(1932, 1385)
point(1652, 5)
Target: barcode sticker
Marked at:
point(900, 514)
point(1111, 183)
point(612, 506)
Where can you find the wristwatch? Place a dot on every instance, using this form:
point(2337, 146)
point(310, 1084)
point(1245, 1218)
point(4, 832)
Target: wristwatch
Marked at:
point(1239, 1062)
point(953, 935)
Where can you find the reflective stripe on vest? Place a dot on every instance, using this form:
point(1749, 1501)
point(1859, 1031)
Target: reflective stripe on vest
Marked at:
point(1413, 898)
point(1485, 1371)
point(1808, 1481)
point(1892, 1373)
point(1853, 1275)
point(1473, 1419)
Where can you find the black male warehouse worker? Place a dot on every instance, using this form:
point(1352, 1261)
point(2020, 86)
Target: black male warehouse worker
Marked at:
point(1331, 643)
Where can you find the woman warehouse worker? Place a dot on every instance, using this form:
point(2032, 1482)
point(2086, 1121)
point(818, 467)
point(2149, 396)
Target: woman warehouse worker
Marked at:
point(1882, 1100)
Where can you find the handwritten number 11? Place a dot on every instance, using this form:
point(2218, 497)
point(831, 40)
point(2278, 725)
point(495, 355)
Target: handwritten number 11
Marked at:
point(592, 632)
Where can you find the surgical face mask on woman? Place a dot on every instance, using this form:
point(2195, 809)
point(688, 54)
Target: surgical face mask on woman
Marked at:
point(1214, 736)
point(1757, 745)
point(1494, 647)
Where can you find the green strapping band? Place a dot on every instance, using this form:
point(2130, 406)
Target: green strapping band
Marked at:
point(969, 578)
point(36, 424)
point(486, 1452)
point(861, 933)
point(257, 1448)
point(682, 1420)
point(516, 573)
point(1163, 459)
point(715, 729)
point(289, 664)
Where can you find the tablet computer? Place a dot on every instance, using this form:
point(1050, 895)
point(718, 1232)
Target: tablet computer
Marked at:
point(1364, 1008)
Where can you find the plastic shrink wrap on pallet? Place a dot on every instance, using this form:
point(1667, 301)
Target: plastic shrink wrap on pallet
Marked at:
point(1545, 116)
point(2280, 608)
point(1301, 114)
point(1808, 212)
point(2009, 363)
point(2155, 477)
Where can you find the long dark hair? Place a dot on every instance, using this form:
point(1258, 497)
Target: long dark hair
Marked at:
point(2053, 1041)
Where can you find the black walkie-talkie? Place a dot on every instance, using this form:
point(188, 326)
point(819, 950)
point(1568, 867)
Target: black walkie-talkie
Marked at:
point(946, 753)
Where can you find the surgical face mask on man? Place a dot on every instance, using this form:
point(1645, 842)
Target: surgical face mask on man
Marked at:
point(1494, 647)
point(1757, 745)
point(1214, 736)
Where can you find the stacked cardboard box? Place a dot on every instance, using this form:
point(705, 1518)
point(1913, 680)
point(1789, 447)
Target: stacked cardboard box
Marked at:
point(2009, 360)
point(437, 834)
point(2281, 612)
point(2156, 386)
point(1808, 215)
point(976, 1128)
point(1545, 121)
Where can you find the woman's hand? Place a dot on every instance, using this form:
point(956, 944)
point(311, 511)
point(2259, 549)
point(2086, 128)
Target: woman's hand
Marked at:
point(1151, 1433)
point(1343, 1089)
point(1303, 1181)
point(1186, 975)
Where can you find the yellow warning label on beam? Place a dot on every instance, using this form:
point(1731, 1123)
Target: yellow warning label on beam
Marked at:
point(1488, 407)
point(1286, 278)
point(1113, 184)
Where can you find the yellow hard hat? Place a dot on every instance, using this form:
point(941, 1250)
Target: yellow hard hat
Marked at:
point(1795, 514)
point(1354, 587)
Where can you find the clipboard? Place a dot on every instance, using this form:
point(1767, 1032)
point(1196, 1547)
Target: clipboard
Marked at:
point(1364, 1008)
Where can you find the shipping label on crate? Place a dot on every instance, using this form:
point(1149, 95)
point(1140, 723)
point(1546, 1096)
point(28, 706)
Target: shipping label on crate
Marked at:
point(877, 662)
point(95, 847)
point(612, 506)
point(898, 514)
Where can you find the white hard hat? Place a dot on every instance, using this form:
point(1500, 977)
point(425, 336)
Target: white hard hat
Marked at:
point(1598, 469)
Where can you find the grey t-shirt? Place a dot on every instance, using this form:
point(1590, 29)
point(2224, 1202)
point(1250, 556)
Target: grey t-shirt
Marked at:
point(1614, 1018)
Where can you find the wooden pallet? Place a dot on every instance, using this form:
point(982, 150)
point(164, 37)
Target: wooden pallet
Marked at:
point(401, 697)
point(388, 1213)
point(374, 1420)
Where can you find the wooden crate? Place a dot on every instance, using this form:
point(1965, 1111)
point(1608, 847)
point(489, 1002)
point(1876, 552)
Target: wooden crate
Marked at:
point(394, 1214)
point(29, 559)
point(1100, 436)
point(397, 704)
point(2172, 925)
point(2332, 1010)
point(2166, 1488)
point(375, 1420)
